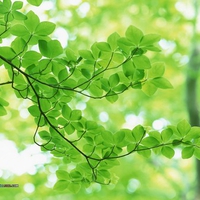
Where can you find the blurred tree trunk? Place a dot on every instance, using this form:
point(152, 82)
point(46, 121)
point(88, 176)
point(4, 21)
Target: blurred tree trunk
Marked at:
point(192, 99)
point(192, 88)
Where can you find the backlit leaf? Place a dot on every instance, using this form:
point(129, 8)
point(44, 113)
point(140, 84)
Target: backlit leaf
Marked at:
point(149, 39)
point(183, 127)
point(34, 111)
point(112, 40)
point(166, 134)
point(167, 152)
point(141, 62)
point(149, 88)
point(35, 2)
point(32, 21)
point(150, 141)
point(44, 135)
point(161, 82)
point(187, 152)
point(19, 30)
point(61, 185)
point(114, 80)
point(138, 133)
point(103, 46)
point(134, 34)
point(17, 5)
point(157, 70)
point(62, 175)
point(45, 28)
point(2, 111)
point(112, 97)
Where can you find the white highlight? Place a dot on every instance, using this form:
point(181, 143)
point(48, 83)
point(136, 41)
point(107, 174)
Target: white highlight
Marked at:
point(133, 185)
point(132, 120)
point(83, 9)
point(159, 124)
point(26, 161)
point(62, 35)
point(29, 188)
point(103, 116)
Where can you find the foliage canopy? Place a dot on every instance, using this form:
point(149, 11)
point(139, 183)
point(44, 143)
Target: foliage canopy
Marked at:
point(51, 76)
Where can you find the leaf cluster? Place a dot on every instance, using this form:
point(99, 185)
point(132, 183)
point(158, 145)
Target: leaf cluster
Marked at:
point(51, 77)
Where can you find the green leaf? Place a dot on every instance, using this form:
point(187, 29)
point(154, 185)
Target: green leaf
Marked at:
point(30, 57)
point(128, 69)
point(152, 48)
point(131, 147)
point(18, 15)
point(86, 54)
point(44, 135)
point(104, 173)
point(43, 47)
point(88, 148)
point(176, 142)
point(108, 137)
point(138, 133)
point(69, 129)
point(166, 134)
point(95, 51)
point(103, 46)
point(91, 125)
point(95, 89)
point(119, 137)
point(19, 30)
point(142, 150)
point(17, 5)
point(34, 111)
point(71, 56)
point(62, 175)
point(150, 142)
point(32, 21)
point(161, 82)
point(7, 52)
point(45, 105)
point(156, 135)
point(149, 88)
point(18, 45)
point(112, 97)
point(149, 39)
point(7, 4)
point(134, 34)
point(3, 102)
point(76, 175)
point(55, 48)
point(183, 127)
point(112, 40)
point(141, 62)
point(35, 2)
point(194, 133)
point(61, 185)
point(74, 187)
point(114, 80)
point(125, 45)
point(120, 88)
point(157, 70)
point(66, 111)
point(45, 28)
point(187, 152)
point(2, 111)
point(75, 115)
point(50, 49)
point(62, 75)
point(167, 152)
point(197, 152)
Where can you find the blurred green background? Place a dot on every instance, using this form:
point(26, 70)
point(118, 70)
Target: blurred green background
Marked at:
point(79, 24)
